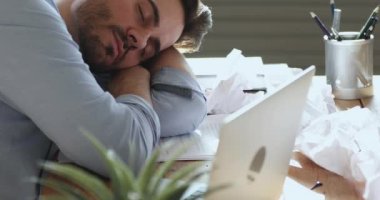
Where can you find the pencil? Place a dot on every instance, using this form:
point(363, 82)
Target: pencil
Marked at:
point(321, 25)
point(371, 28)
point(336, 34)
point(332, 7)
point(255, 90)
point(368, 23)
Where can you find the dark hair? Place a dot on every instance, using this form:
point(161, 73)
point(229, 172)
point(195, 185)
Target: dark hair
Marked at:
point(198, 21)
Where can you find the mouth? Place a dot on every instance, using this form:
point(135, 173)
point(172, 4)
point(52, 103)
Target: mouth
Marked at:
point(118, 47)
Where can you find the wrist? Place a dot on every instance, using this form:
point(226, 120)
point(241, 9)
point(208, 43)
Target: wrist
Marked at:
point(134, 80)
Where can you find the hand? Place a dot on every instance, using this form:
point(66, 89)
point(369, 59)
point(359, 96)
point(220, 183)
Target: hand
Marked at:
point(333, 186)
point(133, 80)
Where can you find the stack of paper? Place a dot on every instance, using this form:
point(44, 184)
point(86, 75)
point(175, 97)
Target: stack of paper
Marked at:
point(204, 141)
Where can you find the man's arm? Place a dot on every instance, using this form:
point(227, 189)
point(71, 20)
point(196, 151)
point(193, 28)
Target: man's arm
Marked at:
point(134, 80)
point(44, 78)
point(170, 57)
point(176, 96)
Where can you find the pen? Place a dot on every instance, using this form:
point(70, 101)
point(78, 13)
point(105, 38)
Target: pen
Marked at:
point(336, 19)
point(336, 34)
point(332, 6)
point(371, 28)
point(255, 90)
point(368, 23)
point(317, 185)
point(321, 25)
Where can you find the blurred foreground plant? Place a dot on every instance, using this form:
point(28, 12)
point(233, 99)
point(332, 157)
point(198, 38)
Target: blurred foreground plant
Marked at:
point(77, 184)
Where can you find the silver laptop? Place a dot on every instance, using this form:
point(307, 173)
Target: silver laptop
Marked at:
point(256, 143)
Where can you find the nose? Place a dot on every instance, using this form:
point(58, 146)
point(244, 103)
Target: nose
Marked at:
point(137, 38)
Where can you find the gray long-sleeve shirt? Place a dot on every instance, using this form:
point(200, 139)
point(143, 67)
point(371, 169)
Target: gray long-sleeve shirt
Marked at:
point(47, 93)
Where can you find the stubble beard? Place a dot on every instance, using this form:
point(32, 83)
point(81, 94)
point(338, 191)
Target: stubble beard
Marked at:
point(92, 51)
point(90, 15)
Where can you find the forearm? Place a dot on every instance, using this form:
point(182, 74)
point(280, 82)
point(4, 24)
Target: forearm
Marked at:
point(182, 112)
point(176, 95)
point(135, 80)
point(171, 58)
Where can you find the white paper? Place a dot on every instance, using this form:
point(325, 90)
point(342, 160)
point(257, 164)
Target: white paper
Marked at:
point(346, 143)
point(372, 188)
point(210, 71)
point(228, 96)
point(241, 73)
point(205, 140)
point(319, 102)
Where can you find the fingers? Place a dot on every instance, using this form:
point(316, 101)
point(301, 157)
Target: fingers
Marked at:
point(302, 159)
point(323, 181)
point(305, 176)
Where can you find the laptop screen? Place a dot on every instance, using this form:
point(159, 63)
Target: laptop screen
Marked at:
point(256, 143)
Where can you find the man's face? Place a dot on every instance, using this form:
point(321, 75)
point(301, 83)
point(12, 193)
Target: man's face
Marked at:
point(116, 34)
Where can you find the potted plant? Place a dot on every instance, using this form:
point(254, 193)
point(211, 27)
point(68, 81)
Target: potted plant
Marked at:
point(72, 182)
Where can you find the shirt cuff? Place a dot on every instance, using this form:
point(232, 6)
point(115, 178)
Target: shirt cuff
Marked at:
point(178, 101)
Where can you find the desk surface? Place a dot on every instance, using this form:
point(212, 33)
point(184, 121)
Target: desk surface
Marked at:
point(335, 187)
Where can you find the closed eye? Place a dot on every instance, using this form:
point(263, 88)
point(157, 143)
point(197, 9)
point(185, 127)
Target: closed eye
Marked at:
point(141, 14)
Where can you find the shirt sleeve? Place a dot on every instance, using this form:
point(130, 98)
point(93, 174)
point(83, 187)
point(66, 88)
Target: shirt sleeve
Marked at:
point(43, 76)
point(178, 101)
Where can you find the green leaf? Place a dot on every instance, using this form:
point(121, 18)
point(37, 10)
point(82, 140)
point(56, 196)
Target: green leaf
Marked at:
point(64, 190)
point(210, 190)
point(214, 189)
point(165, 167)
point(122, 178)
point(123, 181)
point(177, 186)
point(56, 197)
point(173, 192)
point(185, 172)
point(82, 178)
point(176, 191)
point(179, 182)
point(147, 173)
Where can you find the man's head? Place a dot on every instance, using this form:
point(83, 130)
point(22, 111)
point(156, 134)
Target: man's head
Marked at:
point(116, 34)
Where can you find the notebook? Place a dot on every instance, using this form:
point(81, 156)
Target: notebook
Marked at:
point(256, 143)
